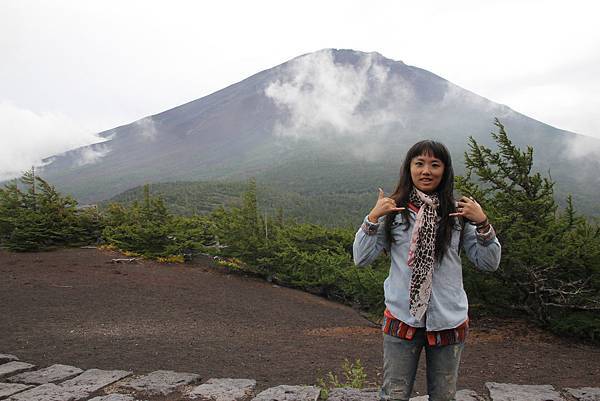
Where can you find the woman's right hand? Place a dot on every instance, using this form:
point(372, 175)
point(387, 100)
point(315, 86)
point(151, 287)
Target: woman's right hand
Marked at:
point(383, 206)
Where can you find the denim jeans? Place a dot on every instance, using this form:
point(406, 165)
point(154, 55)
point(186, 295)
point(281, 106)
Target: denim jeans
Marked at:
point(400, 361)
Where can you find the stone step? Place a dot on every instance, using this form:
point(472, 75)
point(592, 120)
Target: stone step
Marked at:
point(7, 358)
point(522, 392)
point(353, 394)
point(461, 395)
point(289, 393)
point(162, 382)
point(584, 393)
point(94, 379)
point(113, 397)
point(50, 392)
point(51, 374)
point(8, 389)
point(224, 390)
point(14, 367)
point(56, 383)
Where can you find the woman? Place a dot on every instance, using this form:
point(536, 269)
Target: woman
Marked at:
point(423, 227)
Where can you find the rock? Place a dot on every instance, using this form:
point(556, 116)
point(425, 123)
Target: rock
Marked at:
point(94, 379)
point(461, 395)
point(467, 395)
point(224, 389)
point(50, 392)
point(289, 393)
point(50, 374)
point(585, 393)
point(162, 381)
point(14, 367)
point(522, 392)
point(353, 394)
point(113, 397)
point(8, 389)
point(7, 358)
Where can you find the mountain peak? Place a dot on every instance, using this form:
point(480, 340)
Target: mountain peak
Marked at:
point(343, 106)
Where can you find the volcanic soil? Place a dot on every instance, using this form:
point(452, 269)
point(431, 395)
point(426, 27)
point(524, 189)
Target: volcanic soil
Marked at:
point(76, 307)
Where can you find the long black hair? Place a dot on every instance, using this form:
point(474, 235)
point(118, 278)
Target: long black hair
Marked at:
point(444, 191)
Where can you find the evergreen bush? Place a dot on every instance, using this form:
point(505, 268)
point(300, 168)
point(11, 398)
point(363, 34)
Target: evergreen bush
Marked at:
point(148, 229)
point(37, 217)
point(550, 266)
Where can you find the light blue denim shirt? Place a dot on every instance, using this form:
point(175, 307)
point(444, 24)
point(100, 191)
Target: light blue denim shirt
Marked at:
point(448, 305)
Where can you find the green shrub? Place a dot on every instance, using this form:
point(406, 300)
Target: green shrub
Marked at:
point(354, 377)
point(39, 218)
point(150, 230)
point(550, 267)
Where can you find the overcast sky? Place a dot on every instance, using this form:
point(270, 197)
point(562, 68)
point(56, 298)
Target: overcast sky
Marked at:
point(70, 69)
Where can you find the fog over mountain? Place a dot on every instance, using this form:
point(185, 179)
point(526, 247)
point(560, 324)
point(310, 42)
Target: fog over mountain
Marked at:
point(338, 116)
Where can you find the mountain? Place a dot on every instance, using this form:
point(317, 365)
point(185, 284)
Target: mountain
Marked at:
point(332, 121)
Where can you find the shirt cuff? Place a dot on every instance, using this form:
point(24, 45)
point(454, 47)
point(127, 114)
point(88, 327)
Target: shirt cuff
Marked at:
point(487, 236)
point(368, 227)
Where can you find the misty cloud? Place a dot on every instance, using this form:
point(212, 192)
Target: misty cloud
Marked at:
point(329, 100)
point(91, 154)
point(583, 146)
point(27, 137)
point(147, 128)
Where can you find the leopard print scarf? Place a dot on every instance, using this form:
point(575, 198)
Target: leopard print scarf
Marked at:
point(421, 256)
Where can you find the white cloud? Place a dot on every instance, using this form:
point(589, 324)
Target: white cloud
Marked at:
point(27, 137)
point(151, 56)
point(328, 100)
point(91, 154)
point(146, 128)
point(583, 146)
point(560, 104)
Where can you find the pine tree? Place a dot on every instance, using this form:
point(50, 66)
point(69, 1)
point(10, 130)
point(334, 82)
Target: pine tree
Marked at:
point(40, 218)
point(550, 259)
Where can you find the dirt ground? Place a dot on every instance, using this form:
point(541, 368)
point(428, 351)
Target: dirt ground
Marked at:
point(75, 307)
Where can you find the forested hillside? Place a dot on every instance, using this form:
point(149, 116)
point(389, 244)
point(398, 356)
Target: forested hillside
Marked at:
point(188, 198)
point(550, 267)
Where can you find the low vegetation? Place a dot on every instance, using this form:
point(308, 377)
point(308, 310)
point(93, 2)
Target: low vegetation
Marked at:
point(35, 217)
point(354, 376)
point(550, 268)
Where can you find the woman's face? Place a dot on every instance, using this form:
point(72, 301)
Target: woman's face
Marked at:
point(426, 172)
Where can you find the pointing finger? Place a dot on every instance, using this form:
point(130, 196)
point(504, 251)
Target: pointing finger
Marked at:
point(381, 194)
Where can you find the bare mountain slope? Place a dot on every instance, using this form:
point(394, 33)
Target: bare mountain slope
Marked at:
point(325, 121)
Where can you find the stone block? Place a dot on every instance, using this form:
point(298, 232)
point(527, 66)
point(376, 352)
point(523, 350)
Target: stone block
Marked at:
point(8, 389)
point(51, 374)
point(461, 395)
point(50, 392)
point(7, 358)
point(162, 381)
point(522, 392)
point(94, 379)
point(585, 393)
point(113, 397)
point(14, 367)
point(289, 393)
point(353, 394)
point(224, 390)
point(468, 395)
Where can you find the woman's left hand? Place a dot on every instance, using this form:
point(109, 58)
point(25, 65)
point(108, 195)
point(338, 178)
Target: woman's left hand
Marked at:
point(470, 209)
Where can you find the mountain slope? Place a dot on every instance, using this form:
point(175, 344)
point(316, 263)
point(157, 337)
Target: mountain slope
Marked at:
point(329, 121)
